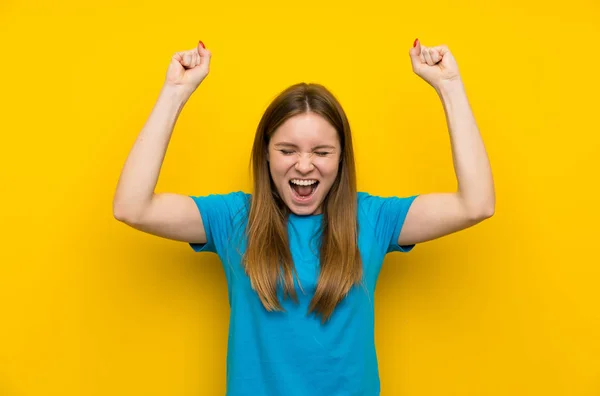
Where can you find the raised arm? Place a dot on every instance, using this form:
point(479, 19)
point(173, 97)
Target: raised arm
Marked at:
point(135, 203)
point(434, 215)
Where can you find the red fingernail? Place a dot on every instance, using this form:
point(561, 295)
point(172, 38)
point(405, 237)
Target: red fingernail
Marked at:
point(202, 44)
point(415, 43)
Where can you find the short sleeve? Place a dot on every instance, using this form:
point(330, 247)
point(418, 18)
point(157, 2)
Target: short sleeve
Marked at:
point(220, 213)
point(387, 216)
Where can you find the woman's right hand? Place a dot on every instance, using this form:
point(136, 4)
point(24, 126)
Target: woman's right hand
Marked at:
point(188, 69)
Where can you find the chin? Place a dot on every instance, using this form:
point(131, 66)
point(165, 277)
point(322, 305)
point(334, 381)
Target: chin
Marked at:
point(304, 211)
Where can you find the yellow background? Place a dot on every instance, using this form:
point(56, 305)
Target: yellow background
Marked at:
point(89, 306)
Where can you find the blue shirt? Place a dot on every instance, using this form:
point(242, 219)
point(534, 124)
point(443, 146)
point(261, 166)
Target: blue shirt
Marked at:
point(292, 353)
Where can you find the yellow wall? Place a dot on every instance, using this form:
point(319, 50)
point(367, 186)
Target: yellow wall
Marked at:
point(91, 307)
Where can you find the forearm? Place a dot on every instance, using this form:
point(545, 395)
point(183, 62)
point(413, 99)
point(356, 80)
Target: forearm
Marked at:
point(471, 163)
point(139, 175)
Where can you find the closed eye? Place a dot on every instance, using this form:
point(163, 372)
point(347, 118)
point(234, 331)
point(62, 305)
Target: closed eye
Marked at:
point(319, 153)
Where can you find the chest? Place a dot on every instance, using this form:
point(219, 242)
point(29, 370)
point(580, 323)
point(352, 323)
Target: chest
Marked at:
point(304, 239)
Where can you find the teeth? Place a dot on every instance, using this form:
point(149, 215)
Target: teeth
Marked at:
point(301, 182)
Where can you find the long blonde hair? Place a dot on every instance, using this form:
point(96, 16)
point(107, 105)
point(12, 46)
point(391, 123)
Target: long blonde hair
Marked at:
point(267, 260)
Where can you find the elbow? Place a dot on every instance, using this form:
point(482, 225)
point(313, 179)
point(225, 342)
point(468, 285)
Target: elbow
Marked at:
point(129, 211)
point(477, 210)
point(482, 213)
point(123, 213)
point(488, 212)
point(119, 214)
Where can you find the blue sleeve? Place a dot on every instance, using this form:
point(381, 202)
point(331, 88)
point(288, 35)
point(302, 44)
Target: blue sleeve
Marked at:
point(387, 215)
point(220, 213)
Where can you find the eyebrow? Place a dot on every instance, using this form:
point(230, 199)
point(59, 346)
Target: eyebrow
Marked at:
point(321, 146)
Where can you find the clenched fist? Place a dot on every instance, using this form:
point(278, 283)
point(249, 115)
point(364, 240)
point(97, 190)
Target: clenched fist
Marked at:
point(436, 65)
point(189, 68)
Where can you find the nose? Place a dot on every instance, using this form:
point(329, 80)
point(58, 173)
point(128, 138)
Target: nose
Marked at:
point(304, 164)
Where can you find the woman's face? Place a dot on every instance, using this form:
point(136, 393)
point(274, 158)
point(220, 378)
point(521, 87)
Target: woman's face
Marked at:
point(304, 157)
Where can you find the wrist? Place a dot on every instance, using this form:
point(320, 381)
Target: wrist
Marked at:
point(175, 93)
point(450, 87)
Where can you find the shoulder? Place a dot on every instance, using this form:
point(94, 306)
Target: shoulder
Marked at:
point(238, 198)
point(384, 217)
point(232, 197)
point(234, 202)
point(365, 198)
point(370, 205)
point(369, 202)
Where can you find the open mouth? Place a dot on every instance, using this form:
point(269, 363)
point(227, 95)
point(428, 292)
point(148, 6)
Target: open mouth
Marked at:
point(303, 193)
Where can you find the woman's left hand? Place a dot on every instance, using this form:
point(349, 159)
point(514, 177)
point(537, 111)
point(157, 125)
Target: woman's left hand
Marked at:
point(436, 65)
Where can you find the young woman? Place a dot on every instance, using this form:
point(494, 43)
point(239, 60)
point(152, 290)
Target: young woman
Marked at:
point(302, 253)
